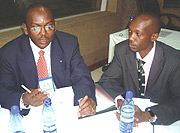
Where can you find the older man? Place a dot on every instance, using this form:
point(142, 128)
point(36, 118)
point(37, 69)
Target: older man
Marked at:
point(43, 54)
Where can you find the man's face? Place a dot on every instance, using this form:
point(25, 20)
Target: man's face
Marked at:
point(140, 33)
point(40, 26)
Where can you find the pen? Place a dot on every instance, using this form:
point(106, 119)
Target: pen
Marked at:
point(24, 87)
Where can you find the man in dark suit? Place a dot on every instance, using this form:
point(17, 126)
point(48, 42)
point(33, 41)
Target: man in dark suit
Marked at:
point(162, 72)
point(65, 65)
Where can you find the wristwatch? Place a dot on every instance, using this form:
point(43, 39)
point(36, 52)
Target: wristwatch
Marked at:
point(153, 116)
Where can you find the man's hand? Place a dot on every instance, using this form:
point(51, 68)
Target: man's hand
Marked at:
point(35, 98)
point(140, 116)
point(119, 105)
point(87, 106)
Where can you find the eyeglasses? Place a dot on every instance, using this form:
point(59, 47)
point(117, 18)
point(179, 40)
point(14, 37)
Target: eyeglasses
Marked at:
point(47, 28)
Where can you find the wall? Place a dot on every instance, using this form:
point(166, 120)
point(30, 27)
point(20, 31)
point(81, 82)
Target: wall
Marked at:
point(92, 30)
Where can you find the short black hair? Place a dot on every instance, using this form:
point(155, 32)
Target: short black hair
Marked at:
point(35, 5)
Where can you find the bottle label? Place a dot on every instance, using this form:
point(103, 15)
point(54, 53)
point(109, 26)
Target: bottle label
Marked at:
point(54, 131)
point(49, 129)
point(126, 127)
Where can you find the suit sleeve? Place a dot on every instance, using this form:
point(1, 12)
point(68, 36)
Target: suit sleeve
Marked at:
point(169, 112)
point(112, 78)
point(8, 89)
point(81, 79)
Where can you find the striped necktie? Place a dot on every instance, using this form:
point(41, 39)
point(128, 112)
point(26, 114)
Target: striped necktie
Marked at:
point(42, 66)
point(141, 77)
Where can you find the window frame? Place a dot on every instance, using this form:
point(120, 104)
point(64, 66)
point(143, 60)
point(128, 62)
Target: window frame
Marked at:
point(103, 7)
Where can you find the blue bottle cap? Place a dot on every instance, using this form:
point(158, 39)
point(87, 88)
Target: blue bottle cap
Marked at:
point(129, 94)
point(132, 17)
point(14, 109)
point(47, 101)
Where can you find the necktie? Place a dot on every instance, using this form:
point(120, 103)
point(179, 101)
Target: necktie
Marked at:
point(141, 77)
point(42, 66)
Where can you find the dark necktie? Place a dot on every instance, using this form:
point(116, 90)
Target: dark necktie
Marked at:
point(42, 66)
point(141, 77)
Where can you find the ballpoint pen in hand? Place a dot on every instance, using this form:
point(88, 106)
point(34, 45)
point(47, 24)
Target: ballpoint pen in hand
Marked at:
point(24, 87)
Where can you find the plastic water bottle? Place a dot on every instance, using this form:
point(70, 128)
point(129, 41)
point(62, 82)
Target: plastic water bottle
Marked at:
point(127, 114)
point(48, 117)
point(16, 122)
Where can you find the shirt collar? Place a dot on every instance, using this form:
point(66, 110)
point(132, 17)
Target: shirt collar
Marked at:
point(36, 49)
point(149, 57)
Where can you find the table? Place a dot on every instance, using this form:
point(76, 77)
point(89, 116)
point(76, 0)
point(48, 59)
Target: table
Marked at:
point(169, 37)
point(68, 122)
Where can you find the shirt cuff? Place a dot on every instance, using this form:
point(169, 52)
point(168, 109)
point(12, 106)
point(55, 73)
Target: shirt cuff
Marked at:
point(22, 105)
point(154, 117)
point(115, 100)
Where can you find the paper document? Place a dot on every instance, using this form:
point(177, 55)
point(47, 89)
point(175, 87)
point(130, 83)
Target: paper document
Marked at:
point(103, 101)
point(143, 103)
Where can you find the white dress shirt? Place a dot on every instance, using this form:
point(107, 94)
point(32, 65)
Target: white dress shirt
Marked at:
point(147, 66)
point(47, 56)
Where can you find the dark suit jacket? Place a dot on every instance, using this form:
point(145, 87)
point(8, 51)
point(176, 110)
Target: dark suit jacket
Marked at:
point(163, 84)
point(17, 67)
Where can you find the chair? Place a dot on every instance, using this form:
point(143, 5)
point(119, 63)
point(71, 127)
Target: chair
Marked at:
point(153, 6)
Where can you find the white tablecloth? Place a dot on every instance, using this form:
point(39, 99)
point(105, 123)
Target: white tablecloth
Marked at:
point(67, 121)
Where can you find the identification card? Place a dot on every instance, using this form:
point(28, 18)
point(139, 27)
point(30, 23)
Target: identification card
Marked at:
point(46, 84)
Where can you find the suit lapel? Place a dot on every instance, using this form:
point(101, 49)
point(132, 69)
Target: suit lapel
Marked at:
point(131, 65)
point(57, 62)
point(27, 64)
point(156, 66)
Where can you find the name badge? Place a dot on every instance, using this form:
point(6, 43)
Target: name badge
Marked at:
point(46, 84)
